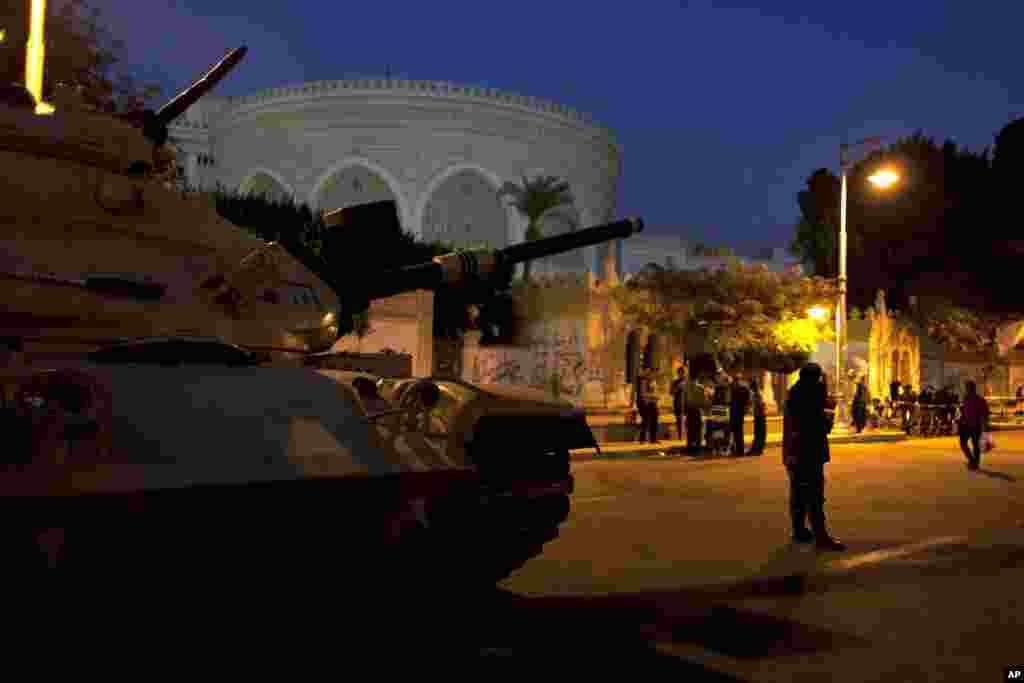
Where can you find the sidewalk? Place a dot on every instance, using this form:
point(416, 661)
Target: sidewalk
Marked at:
point(675, 447)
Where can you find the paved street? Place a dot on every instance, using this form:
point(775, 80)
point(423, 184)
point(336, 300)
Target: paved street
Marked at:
point(686, 565)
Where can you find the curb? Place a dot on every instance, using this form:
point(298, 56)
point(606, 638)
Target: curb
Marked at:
point(672, 449)
point(1007, 427)
point(676, 451)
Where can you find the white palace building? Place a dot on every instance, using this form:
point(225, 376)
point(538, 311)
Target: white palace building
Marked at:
point(438, 149)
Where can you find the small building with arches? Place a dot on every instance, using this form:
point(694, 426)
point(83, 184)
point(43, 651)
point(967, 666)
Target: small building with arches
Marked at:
point(894, 350)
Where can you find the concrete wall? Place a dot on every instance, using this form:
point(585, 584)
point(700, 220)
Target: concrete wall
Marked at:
point(404, 324)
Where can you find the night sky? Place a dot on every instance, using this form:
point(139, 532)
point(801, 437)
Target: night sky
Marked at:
point(722, 108)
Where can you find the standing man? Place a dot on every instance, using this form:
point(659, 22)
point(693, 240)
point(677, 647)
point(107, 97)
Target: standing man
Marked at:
point(696, 401)
point(719, 397)
point(894, 391)
point(647, 405)
point(805, 452)
point(908, 408)
point(739, 401)
point(679, 399)
point(860, 407)
point(760, 420)
point(973, 420)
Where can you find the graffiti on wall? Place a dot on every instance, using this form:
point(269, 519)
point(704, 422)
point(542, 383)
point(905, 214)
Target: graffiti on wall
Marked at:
point(557, 359)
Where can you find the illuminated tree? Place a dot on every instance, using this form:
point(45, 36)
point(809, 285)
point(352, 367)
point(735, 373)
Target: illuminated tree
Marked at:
point(741, 313)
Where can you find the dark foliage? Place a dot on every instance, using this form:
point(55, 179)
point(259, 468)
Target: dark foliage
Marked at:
point(944, 232)
point(80, 50)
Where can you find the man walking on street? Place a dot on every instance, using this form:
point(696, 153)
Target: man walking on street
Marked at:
point(973, 420)
point(760, 420)
point(805, 452)
point(739, 400)
point(679, 399)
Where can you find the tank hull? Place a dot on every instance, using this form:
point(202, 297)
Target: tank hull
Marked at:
point(196, 472)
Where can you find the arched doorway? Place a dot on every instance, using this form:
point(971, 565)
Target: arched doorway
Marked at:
point(263, 184)
point(464, 210)
point(351, 186)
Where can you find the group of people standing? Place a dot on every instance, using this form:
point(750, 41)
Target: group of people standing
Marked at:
point(692, 400)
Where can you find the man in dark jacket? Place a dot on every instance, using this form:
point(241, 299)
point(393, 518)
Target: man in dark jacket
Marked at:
point(739, 401)
point(760, 420)
point(696, 401)
point(805, 452)
point(678, 391)
point(647, 405)
point(973, 420)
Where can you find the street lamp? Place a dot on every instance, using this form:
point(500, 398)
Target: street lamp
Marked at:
point(817, 312)
point(882, 179)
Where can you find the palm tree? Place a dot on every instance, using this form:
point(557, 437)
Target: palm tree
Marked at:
point(534, 198)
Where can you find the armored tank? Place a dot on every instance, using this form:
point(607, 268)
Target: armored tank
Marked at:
point(151, 427)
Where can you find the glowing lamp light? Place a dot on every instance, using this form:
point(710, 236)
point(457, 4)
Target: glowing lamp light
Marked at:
point(818, 312)
point(884, 178)
point(35, 57)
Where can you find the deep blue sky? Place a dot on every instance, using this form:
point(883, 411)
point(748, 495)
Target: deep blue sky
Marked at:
point(723, 108)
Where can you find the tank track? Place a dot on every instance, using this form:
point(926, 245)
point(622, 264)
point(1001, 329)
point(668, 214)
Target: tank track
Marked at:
point(488, 539)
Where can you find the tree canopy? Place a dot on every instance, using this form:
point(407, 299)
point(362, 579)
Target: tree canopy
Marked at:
point(735, 311)
point(534, 198)
point(966, 331)
point(80, 50)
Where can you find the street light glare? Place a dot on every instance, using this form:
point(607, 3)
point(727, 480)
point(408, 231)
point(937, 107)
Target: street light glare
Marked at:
point(818, 312)
point(884, 178)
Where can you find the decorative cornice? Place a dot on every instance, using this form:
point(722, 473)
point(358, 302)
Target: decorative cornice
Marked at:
point(441, 90)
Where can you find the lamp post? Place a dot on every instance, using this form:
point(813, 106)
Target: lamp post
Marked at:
point(881, 179)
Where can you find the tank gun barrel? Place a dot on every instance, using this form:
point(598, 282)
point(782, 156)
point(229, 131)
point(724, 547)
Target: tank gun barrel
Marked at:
point(469, 267)
point(549, 246)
